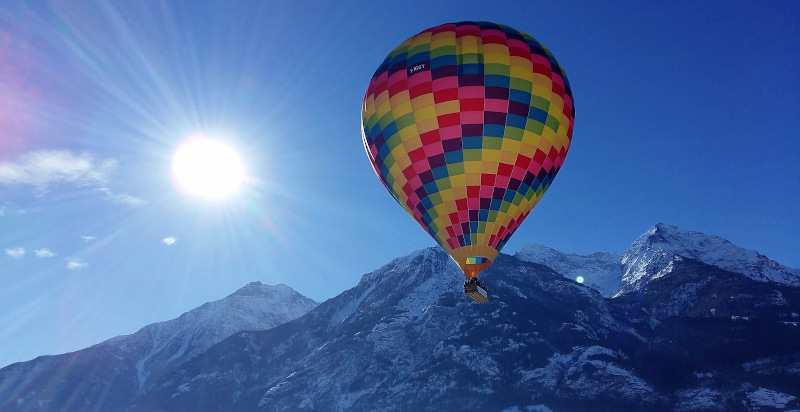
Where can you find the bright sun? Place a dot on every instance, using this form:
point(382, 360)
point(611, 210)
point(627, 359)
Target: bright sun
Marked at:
point(207, 168)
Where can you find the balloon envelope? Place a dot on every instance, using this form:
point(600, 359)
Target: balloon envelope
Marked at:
point(467, 124)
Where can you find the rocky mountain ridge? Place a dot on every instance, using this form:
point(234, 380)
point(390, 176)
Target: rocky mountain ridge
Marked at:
point(651, 253)
point(124, 366)
point(600, 270)
point(687, 335)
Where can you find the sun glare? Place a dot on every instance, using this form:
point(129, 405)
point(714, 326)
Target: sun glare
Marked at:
point(207, 168)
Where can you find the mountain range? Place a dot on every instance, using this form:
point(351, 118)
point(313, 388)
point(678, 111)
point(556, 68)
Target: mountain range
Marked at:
point(108, 374)
point(680, 321)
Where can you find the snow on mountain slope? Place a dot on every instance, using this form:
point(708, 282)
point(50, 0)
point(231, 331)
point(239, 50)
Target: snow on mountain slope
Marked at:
point(650, 256)
point(566, 373)
point(406, 338)
point(109, 375)
point(600, 270)
point(255, 306)
point(699, 337)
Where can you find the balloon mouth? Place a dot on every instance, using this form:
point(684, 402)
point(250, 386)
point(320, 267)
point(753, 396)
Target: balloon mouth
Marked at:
point(475, 264)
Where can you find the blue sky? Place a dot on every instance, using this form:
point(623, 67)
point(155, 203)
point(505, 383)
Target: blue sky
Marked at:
point(686, 114)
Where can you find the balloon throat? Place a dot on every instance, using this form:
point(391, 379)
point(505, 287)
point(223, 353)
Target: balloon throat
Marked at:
point(475, 265)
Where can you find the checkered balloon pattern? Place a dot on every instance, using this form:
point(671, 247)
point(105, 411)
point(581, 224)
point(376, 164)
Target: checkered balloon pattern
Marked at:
point(467, 124)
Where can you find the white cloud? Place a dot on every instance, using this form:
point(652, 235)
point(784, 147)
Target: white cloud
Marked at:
point(44, 253)
point(128, 200)
point(45, 167)
point(87, 238)
point(75, 263)
point(16, 252)
point(169, 241)
point(122, 199)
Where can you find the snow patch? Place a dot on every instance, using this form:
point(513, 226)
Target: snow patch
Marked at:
point(653, 254)
point(769, 398)
point(697, 399)
point(566, 373)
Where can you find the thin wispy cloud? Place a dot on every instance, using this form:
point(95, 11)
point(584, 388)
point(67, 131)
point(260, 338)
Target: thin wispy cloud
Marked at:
point(87, 238)
point(169, 241)
point(16, 252)
point(43, 168)
point(122, 199)
point(7, 210)
point(75, 264)
point(44, 253)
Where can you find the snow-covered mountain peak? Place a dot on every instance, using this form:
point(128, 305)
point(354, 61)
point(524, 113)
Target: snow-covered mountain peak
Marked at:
point(409, 283)
point(655, 249)
point(415, 269)
point(432, 273)
point(600, 270)
point(258, 289)
point(253, 287)
point(433, 254)
point(253, 307)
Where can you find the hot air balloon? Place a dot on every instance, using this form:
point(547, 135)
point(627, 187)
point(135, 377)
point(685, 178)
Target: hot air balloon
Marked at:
point(467, 124)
